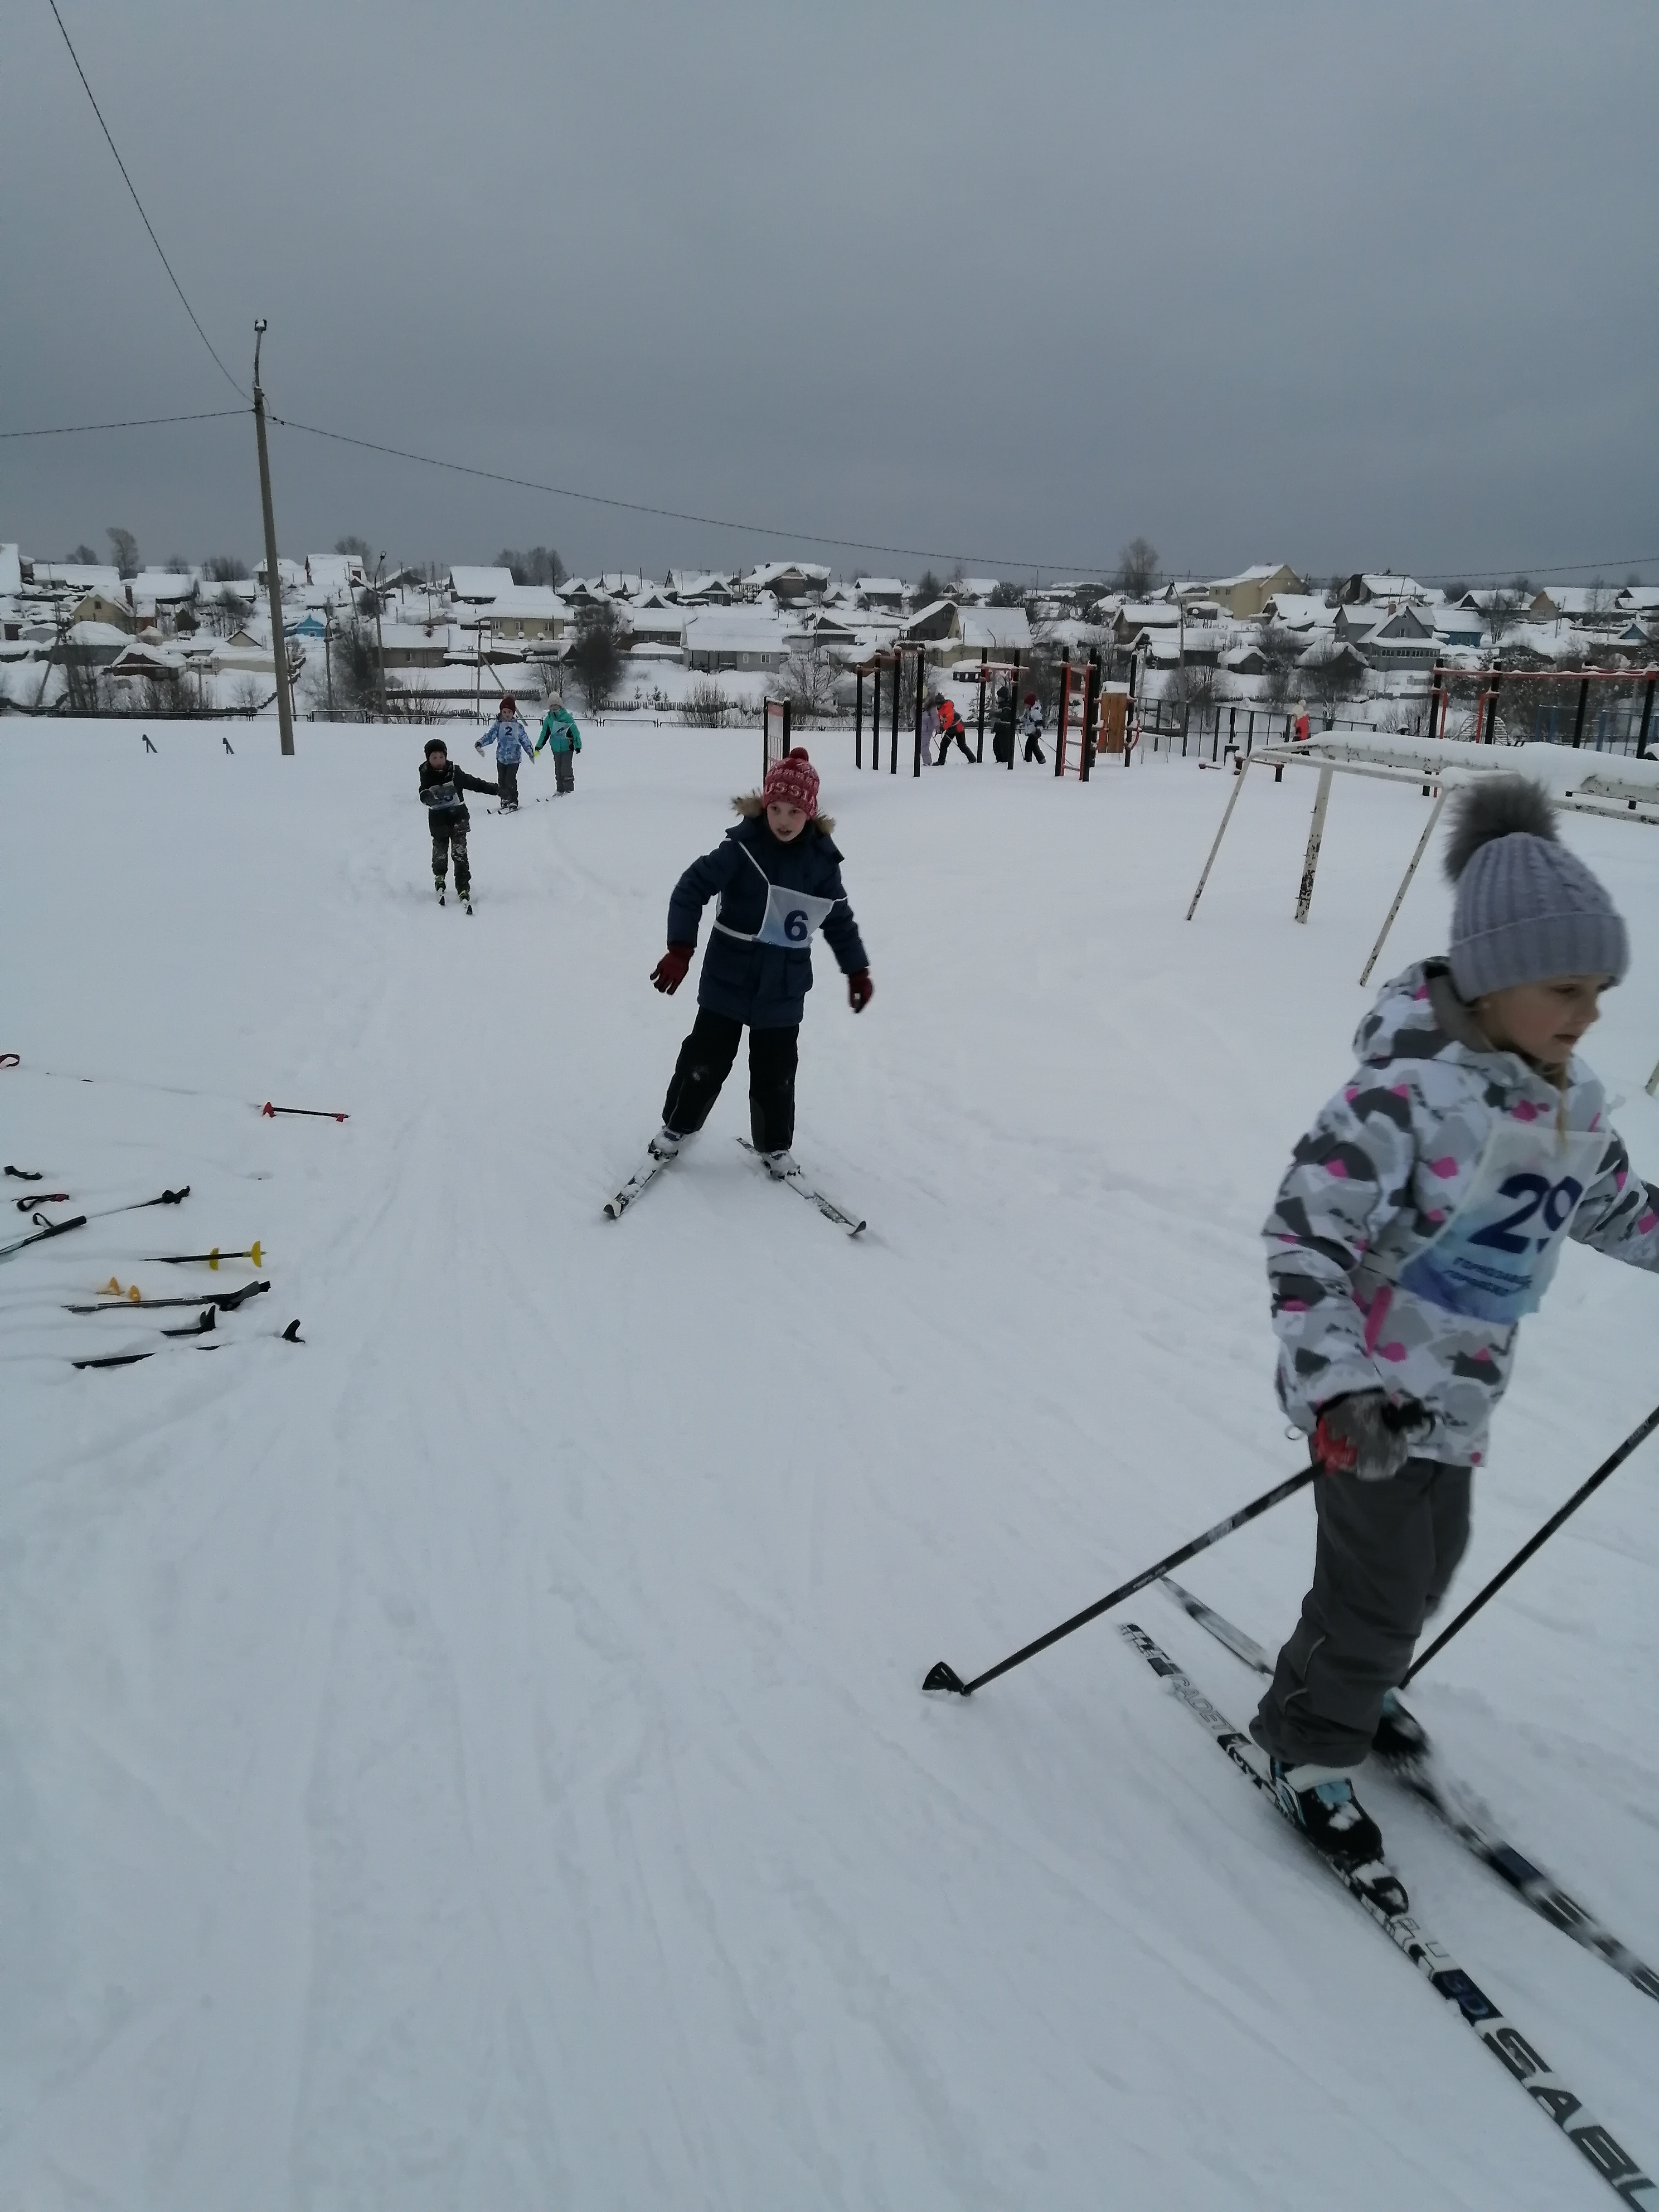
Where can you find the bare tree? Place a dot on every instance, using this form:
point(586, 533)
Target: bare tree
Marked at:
point(1505, 608)
point(225, 568)
point(1007, 595)
point(926, 589)
point(123, 550)
point(359, 547)
point(707, 706)
point(540, 565)
point(1137, 567)
point(807, 680)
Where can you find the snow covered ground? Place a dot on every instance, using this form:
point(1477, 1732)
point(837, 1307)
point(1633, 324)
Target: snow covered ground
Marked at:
point(475, 1758)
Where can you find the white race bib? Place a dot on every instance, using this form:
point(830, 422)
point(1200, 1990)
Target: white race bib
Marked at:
point(1494, 1259)
point(791, 918)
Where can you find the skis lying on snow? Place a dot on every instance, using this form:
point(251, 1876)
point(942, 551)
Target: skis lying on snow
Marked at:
point(227, 1300)
point(1462, 1812)
point(641, 1180)
point(796, 1181)
point(288, 1335)
point(1604, 2151)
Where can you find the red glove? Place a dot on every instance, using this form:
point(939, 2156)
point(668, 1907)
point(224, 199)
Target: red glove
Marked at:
point(860, 990)
point(670, 971)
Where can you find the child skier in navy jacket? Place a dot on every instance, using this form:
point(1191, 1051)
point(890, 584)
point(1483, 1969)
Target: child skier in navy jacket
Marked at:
point(777, 878)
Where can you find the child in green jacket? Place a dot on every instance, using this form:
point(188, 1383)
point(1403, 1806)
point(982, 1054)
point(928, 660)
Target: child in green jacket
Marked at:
point(561, 735)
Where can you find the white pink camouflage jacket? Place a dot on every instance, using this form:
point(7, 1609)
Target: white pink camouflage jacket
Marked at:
point(1424, 1212)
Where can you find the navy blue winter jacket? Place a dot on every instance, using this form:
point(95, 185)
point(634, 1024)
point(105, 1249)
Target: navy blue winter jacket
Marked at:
point(763, 985)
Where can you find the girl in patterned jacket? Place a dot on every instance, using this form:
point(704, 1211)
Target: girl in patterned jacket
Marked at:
point(1422, 1216)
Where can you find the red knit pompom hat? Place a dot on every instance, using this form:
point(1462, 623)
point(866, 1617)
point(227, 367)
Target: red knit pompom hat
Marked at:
point(793, 782)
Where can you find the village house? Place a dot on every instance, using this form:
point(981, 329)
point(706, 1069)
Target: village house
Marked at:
point(719, 638)
point(1245, 595)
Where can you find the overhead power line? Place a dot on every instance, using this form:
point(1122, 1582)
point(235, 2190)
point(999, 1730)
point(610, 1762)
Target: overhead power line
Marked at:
point(139, 205)
point(680, 514)
point(766, 530)
point(133, 422)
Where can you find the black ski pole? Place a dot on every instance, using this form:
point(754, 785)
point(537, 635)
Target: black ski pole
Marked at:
point(945, 1678)
point(1614, 1461)
point(51, 1228)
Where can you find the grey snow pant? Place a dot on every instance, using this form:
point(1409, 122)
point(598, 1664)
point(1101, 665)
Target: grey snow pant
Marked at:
point(564, 772)
point(1386, 1553)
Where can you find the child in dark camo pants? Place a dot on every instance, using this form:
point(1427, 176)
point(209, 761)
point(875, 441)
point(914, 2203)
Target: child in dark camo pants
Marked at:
point(441, 787)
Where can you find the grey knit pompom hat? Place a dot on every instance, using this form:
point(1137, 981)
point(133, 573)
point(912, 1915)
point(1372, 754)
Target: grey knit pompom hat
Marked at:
point(1526, 908)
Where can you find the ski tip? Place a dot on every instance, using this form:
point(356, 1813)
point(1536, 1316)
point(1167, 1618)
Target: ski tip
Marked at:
point(945, 1677)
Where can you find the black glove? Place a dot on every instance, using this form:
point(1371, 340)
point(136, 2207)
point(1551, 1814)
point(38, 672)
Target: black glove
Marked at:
point(1368, 1435)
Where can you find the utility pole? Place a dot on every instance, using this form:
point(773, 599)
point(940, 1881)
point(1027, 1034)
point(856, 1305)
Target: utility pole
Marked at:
point(273, 581)
point(328, 659)
point(379, 642)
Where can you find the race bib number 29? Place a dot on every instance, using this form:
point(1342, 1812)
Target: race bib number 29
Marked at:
point(1495, 1257)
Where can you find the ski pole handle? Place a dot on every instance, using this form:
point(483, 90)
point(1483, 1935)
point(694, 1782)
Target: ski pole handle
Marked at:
point(1614, 1461)
point(943, 1677)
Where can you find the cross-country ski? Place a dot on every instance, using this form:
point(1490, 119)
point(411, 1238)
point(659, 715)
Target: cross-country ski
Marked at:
point(1405, 1752)
point(1513, 2049)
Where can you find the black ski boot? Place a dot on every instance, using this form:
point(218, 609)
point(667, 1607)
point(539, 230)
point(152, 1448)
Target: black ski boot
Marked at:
point(1401, 1743)
point(1321, 1803)
point(438, 886)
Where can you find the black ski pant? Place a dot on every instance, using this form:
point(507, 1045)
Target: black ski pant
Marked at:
point(564, 771)
point(449, 835)
point(950, 737)
point(704, 1063)
point(508, 779)
point(1385, 1555)
point(1034, 750)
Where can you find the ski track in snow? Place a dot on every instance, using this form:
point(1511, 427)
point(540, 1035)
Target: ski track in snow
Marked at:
point(475, 1758)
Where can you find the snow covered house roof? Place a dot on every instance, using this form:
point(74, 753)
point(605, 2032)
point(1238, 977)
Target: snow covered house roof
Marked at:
point(879, 591)
point(1300, 611)
point(290, 574)
point(336, 573)
point(1381, 585)
point(478, 587)
point(11, 572)
point(77, 576)
point(1639, 598)
point(789, 580)
point(1578, 601)
point(735, 637)
point(994, 629)
point(162, 588)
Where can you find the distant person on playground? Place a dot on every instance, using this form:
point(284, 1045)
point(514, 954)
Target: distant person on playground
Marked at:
point(563, 739)
point(777, 878)
point(442, 786)
point(1422, 1217)
point(929, 725)
point(1302, 724)
point(952, 730)
point(1002, 724)
point(512, 742)
point(1030, 728)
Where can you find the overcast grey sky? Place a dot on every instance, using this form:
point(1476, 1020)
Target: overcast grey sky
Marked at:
point(1346, 285)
